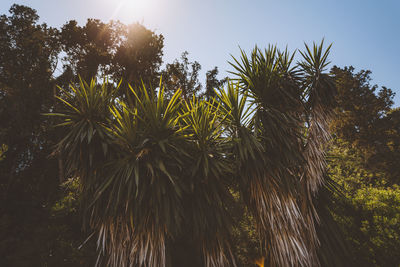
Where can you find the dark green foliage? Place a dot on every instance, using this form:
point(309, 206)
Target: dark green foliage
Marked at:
point(368, 212)
point(27, 56)
point(212, 83)
point(365, 119)
point(88, 48)
point(139, 56)
point(28, 178)
point(35, 229)
point(115, 50)
point(182, 75)
point(360, 106)
point(364, 158)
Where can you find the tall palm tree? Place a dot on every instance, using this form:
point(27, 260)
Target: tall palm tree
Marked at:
point(280, 149)
point(158, 175)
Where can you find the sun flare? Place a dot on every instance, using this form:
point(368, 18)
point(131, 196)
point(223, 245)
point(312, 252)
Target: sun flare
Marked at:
point(134, 9)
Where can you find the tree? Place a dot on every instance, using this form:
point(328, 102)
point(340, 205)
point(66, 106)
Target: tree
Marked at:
point(28, 57)
point(270, 167)
point(363, 158)
point(89, 49)
point(359, 107)
point(367, 208)
point(183, 75)
point(139, 56)
point(212, 83)
point(27, 62)
point(158, 174)
point(364, 119)
point(112, 49)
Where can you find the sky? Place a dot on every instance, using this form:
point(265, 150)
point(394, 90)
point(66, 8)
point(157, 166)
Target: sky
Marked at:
point(364, 33)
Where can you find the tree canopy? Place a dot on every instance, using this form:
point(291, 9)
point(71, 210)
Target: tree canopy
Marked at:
point(364, 156)
point(160, 169)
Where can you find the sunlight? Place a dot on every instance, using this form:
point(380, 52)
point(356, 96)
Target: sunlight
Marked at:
point(134, 9)
point(138, 5)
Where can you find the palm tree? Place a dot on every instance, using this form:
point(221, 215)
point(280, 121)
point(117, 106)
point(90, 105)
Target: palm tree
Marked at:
point(280, 154)
point(158, 176)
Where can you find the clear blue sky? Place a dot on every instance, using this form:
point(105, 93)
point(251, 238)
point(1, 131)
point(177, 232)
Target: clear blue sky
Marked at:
point(364, 33)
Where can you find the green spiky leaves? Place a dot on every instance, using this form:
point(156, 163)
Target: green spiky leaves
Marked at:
point(157, 172)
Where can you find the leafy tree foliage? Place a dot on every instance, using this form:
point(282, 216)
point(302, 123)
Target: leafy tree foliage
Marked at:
point(365, 119)
point(112, 49)
point(362, 161)
point(89, 48)
point(359, 107)
point(139, 55)
point(31, 233)
point(213, 82)
point(183, 75)
point(27, 61)
point(368, 212)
